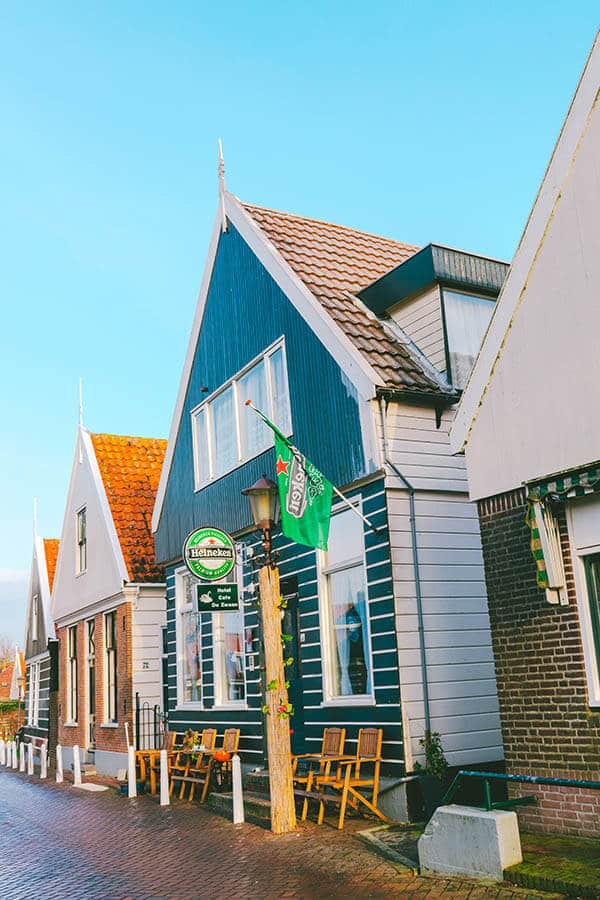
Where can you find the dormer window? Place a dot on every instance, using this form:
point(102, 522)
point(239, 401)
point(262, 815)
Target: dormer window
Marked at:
point(225, 432)
point(81, 538)
point(466, 318)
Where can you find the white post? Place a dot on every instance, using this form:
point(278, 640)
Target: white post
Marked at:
point(2, 753)
point(76, 766)
point(44, 761)
point(131, 785)
point(30, 759)
point(22, 747)
point(14, 754)
point(238, 797)
point(59, 765)
point(164, 779)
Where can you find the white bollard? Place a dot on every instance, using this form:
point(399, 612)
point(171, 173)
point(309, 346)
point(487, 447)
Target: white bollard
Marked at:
point(2, 753)
point(131, 785)
point(30, 759)
point(59, 765)
point(44, 762)
point(76, 766)
point(14, 754)
point(164, 779)
point(238, 797)
point(22, 747)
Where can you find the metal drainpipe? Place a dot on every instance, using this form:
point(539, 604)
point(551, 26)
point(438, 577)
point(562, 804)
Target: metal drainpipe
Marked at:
point(383, 404)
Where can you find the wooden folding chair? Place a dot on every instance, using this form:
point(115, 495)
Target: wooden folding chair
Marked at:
point(200, 771)
point(332, 747)
point(349, 781)
point(182, 762)
point(144, 758)
point(168, 744)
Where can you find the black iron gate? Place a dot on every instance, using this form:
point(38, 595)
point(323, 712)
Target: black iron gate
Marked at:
point(150, 725)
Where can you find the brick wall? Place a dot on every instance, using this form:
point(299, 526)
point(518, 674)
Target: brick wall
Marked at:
point(547, 726)
point(107, 738)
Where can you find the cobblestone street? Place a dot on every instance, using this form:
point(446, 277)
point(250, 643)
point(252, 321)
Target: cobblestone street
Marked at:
point(58, 842)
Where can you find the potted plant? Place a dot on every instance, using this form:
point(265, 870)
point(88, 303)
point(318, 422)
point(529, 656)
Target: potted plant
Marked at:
point(432, 774)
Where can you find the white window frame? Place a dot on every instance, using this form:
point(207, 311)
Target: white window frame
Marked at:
point(450, 375)
point(180, 610)
point(111, 659)
point(206, 405)
point(218, 623)
point(591, 662)
point(72, 691)
point(35, 618)
point(325, 610)
point(33, 713)
point(79, 570)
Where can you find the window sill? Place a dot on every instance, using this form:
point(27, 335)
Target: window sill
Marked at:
point(350, 701)
point(70, 724)
point(109, 725)
point(233, 704)
point(193, 704)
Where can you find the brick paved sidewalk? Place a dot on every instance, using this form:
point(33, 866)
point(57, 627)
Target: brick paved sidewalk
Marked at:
point(58, 842)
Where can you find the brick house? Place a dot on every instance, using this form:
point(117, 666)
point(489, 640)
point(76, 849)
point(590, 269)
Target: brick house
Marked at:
point(108, 600)
point(532, 450)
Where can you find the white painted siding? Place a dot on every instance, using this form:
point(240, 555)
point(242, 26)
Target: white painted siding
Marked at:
point(460, 667)
point(149, 616)
point(421, 450)
point(421, 319)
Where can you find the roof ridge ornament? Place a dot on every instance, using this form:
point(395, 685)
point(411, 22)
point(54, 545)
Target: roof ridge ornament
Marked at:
point(222, 188)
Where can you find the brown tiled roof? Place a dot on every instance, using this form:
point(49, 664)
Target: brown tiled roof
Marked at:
point(130, 468)
point(51, 552)
point(334, 262)
point(6, 674)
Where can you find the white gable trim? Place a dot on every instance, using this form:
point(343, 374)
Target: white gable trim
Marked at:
point(84, 444)
point(348, 357)
point(104, 504)
point(538, 224)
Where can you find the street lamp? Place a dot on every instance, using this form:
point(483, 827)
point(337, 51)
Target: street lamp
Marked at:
point(263, 497)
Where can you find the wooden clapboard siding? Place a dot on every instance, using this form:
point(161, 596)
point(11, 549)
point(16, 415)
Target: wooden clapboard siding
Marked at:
point(234, 331)
point(421, 318)
point(148, 618)
point(460, 665)
point(302, 562)
point(421, 450)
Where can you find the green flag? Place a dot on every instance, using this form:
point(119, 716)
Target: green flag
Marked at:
point(304, 493)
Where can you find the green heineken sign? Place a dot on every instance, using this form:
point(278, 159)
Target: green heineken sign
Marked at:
point(209, 553)
point(213, 597)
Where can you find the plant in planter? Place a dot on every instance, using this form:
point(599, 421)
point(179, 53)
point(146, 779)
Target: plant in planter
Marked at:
point(432, 774)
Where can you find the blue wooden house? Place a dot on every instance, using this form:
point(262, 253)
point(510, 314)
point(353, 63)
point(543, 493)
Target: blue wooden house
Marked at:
point(358, 347)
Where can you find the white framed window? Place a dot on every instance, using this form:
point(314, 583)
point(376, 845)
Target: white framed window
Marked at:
point(583, 519)
point(229, 658)
point(81, 539)
point(345, 631)
point(33, 714)
point(35, 618)
point(110, 656)
point(189, 640)
point(225, 432)
point(72, 673)
point(466, 318)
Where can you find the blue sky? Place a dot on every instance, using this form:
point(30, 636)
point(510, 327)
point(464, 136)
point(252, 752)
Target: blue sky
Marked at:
point(430, 121)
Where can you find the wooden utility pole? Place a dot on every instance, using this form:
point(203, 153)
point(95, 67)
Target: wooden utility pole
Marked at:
point(283, 810)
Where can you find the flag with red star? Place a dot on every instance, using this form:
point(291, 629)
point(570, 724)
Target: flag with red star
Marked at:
point(305, 494)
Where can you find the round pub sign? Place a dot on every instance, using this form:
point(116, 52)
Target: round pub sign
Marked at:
point(209, 553)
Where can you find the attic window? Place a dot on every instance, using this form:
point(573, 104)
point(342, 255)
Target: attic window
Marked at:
point(466, 318)
point(225, 432)
point(81, 537)
point(34, 618)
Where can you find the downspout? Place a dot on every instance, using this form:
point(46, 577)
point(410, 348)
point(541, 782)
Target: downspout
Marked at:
point(383, 404)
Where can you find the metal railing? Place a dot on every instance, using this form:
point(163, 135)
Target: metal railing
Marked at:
point(150, 724)
point(490, 804)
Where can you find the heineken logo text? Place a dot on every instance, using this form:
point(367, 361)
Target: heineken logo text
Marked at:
point(210, 553)
point(295, 501)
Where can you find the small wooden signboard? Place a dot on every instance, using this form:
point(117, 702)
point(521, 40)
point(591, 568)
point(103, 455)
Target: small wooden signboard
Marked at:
point(218, 597)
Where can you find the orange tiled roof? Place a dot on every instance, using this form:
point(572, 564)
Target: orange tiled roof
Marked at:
point(51, 551)
point(5, 681)
point(130, 468)
point(335, 263)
